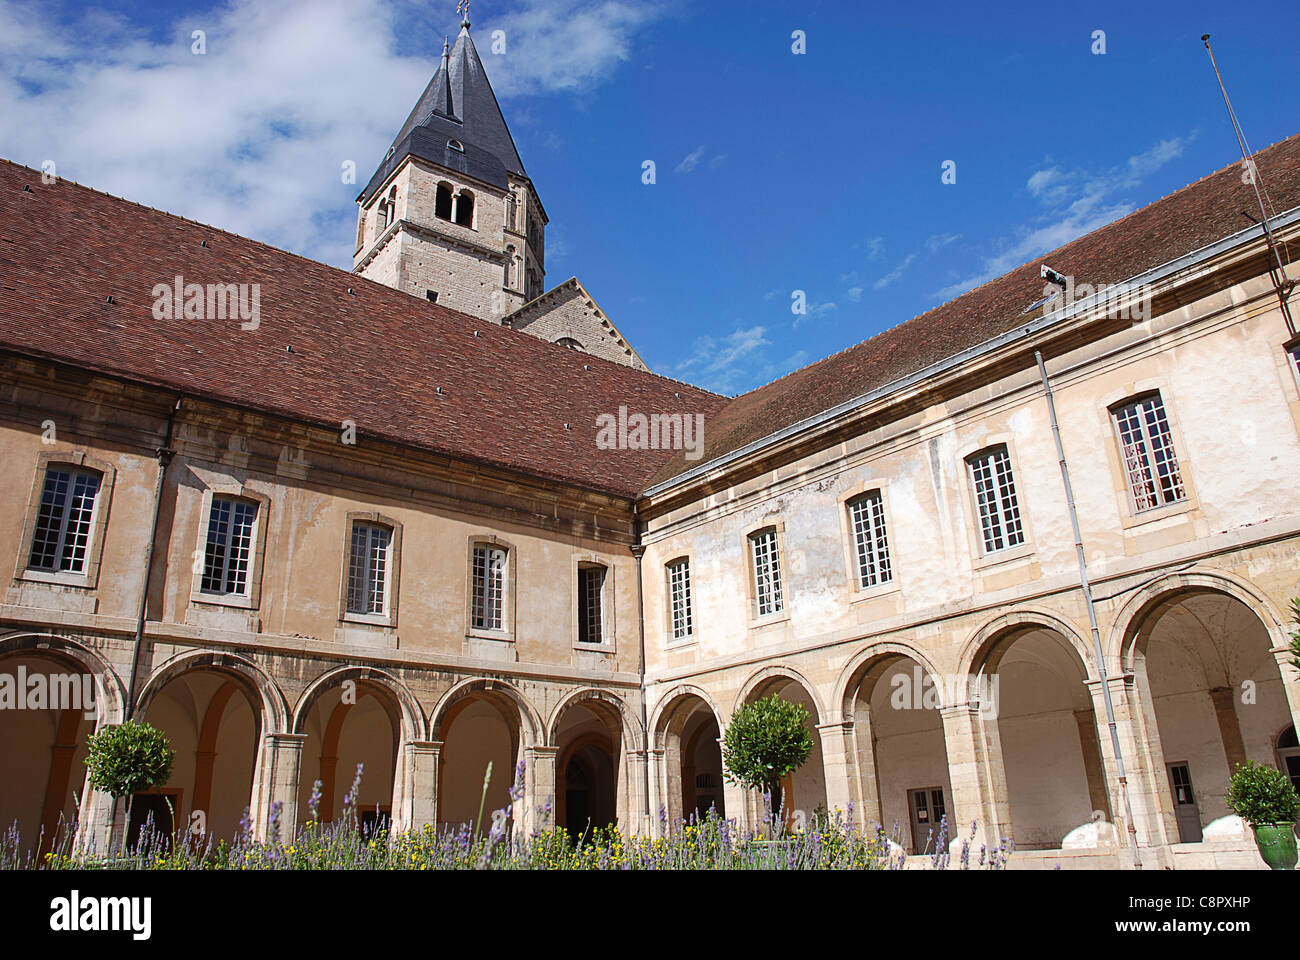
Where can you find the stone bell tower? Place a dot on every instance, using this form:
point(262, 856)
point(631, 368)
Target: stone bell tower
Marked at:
point(450, 215)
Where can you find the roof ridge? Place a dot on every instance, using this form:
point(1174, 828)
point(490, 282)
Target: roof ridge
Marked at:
point(1002, 276)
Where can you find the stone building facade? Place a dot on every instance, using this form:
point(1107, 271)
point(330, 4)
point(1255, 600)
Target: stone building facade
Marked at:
point(369, 530)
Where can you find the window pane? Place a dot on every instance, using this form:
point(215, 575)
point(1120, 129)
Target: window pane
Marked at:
point(488, 588)
point(679, 594)
point(995, 498)
point(230, 546)
point(591, 588)
point(868, 516)
point(81, 509)
point(368, 568)
point(1148, 450)
point(49, 521)
point(767, 573)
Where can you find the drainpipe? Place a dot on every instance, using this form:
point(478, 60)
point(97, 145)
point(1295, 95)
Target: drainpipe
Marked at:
point(638, 551)
point(164, 454)
point(1092, 614)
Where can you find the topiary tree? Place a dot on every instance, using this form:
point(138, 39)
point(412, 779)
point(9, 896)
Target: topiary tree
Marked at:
point(767, 740)
point(1262, 795)
point(126, 759)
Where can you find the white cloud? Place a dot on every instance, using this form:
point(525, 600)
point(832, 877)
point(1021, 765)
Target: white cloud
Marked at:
point(724, 364)
point(252, 136)
point(690, 161)
point(893, 275)
point(938, 241)
point(854, 294)
point(1076, 202)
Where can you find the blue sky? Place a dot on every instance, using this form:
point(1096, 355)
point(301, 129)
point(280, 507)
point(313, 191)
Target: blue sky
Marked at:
point(775, 171)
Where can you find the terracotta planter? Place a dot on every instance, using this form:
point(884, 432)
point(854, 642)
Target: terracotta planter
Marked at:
point(1277, 844)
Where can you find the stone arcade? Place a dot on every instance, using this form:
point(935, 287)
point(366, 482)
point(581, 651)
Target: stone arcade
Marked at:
point(473, 578)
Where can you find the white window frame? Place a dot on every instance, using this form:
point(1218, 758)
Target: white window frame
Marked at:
point(869, 530)
point(234, 505)
point(999, 519)
point(765, 572)
point(370, 549)
point(681, 600)
point(251, 598)
point(75, 478)
point(1147, 453)
point(480, 589)
point(392, 568)
point(599, 620)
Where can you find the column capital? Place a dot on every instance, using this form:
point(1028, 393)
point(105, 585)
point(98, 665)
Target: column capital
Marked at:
point(835, 726)
point(295, 740)
point(542, 751)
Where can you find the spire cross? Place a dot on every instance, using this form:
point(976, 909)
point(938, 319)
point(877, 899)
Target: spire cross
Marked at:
point(462, 7)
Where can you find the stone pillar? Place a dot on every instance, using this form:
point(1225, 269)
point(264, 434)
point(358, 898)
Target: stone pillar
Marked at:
point(637, 769)
point(1290, 681)
point(839, 761)
point(420, 793)
point(276, 781)
point(94, 817)
point(734, 797)
point(1148, 795)
point(868, 814)
point(1094, 772)
point(660, 789)
point(976, 773)
point(539, 790)
point(1225, 713)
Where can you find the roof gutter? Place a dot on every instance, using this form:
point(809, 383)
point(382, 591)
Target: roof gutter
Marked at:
point(1056, 317)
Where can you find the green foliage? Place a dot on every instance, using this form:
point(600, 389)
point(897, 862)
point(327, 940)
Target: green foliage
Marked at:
point(128, 758)
point(1262, 795)
point(766, 740)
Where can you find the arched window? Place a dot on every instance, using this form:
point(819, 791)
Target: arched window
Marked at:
point(510, 210)
point(509, 266)
point(456, 145)
point(570, 343)
point(442, 202)
point(465, 208)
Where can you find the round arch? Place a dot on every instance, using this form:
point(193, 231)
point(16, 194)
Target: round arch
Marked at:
point(110, 692)
point(1121, 642)
point(981, 644)
point(864, 660)
point(670, 703)
point(497, 691)
point(633, 735)
point(257, 685)
point(411, 715)
point(780, 671)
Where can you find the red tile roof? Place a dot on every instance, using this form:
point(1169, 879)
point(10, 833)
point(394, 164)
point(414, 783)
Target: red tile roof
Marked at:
point(1193, 217)
point(374, 356)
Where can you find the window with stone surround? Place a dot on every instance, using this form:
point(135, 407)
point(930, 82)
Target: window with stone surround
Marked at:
point(368, 568)
point(64, 521)
point(228, 554)
point(1147, 447)
point(995, 499)
point(487, 591)
point(681, 622)
point(591, 603)
point(871, 546)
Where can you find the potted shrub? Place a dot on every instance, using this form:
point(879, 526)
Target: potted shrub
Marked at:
point(765, 741)
point(1265, 798)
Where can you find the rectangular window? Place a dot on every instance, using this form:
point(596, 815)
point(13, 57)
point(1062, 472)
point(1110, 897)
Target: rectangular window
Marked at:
point(368, 568)
point(679, 598)
point(995, 496)
point(591, 606)
point(230, 546)
point(486, 604)
point(1148, 450)
point(63, 524)
point(767, 573)
point(1294, 351)
point(867, 513)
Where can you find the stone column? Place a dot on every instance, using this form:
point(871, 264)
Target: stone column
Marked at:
point(1225, 714)
point(734, 798)
point(637, 764)
point(276, 781)
point(94, 816)
point(1290, 681)
point(976, 773)
point(839, 761)
point(868, 814)
point(1093, 770)
point(420, 794)
point(539, 790)
point(1148, 795)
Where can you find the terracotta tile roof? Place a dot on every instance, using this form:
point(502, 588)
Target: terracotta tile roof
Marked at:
point(375, 356)
point(1193, 217)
